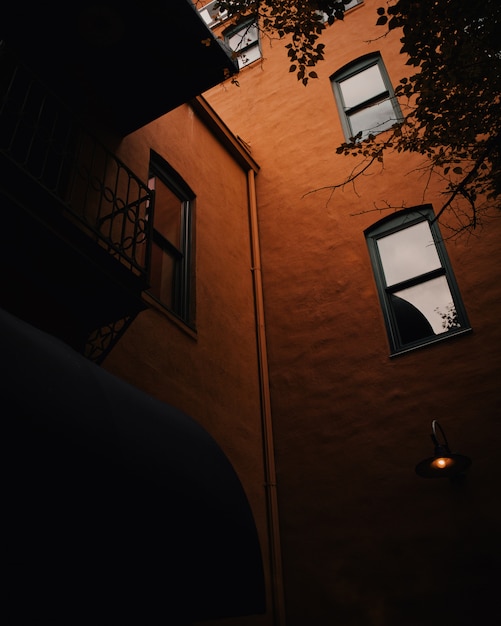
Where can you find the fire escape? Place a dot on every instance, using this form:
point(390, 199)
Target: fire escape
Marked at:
point(76, 220)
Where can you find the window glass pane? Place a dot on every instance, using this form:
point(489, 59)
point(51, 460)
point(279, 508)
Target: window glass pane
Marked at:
point(408, 253)
point(373, 119)
point(362, 86)
point(250, 55)
point(167, 218)
point(243, 38)
point(211, 14)
point(170, 272)
point(163, 268)
point(206, 16)
point(349, 5)
point(425, 309)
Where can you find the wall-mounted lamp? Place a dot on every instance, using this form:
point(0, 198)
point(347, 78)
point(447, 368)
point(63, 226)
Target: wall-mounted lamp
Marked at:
point(443, 464)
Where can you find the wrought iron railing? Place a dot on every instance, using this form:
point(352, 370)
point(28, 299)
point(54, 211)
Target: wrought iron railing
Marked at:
point(97, 191)
point(101, 341)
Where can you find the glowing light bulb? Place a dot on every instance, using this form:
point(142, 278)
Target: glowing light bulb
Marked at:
point(442, 462)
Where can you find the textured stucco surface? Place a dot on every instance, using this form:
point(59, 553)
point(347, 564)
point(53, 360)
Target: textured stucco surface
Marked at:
point(211, 373)
point(365, 541)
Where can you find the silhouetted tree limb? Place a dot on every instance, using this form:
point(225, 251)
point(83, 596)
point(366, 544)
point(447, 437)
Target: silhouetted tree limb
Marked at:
point(451, 102)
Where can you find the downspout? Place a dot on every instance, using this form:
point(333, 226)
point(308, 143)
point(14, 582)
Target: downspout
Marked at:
point(268, 447)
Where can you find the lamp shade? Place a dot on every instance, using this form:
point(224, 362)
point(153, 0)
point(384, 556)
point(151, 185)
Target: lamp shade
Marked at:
point(443, 464)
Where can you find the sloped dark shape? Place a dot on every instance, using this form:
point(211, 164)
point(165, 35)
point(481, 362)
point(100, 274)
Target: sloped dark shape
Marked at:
point(120, 509)
point(55, 276)
point(412, 324)
point(123, 61)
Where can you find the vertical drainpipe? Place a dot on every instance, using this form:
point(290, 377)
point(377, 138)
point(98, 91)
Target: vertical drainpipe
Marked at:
point(269, 455)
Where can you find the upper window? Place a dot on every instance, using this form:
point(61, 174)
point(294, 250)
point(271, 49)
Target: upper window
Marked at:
point(171, 255)
point(211, 14)
point(349, 4)
point(244, 41)
point(365, 98)
point(417, 290)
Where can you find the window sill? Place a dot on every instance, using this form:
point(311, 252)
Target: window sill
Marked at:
point(432, 342)
point(172, 317)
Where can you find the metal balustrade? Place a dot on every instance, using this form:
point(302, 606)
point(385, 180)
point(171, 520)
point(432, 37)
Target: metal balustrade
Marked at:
point(93, 188)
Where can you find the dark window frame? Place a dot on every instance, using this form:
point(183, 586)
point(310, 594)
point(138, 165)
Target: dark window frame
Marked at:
point(214, 15)
point(351, 4)
point(393, 224)
point(352, 69)
point(181, 303)
point(244, 25)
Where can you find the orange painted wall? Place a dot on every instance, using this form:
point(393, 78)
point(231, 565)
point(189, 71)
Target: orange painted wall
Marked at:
point(364, 539)
point(211, 374)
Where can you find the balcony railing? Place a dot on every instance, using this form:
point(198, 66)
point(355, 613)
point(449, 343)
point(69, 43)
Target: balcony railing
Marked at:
point(92, 187)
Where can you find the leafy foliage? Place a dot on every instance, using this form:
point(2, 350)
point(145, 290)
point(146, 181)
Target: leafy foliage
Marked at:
point(450, 318)
point(303, 21)
point(453, 101)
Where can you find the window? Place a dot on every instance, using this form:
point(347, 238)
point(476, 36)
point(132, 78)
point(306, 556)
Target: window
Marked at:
point(242, 38)
point(365, 98)
point(211, 14)
point(349, 4)
point(244, 41)
point(171, 255)
point(419, 296)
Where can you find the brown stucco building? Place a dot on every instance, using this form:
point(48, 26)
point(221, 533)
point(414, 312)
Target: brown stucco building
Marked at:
point(364, 539)
point(217, 379)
